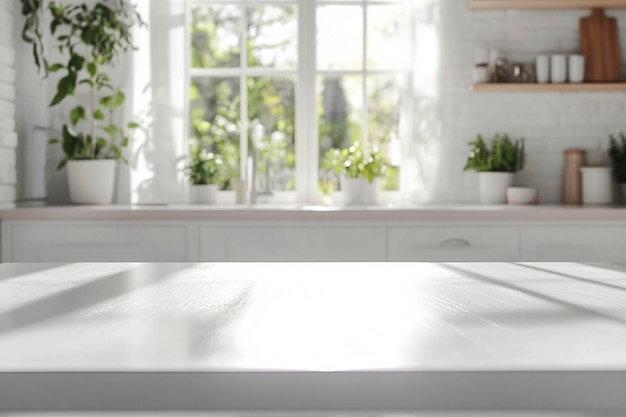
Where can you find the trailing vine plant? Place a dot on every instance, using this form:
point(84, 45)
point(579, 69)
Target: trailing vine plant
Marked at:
point(32, 11)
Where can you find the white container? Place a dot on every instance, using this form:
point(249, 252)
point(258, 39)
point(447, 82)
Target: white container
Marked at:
point(481, 74)
point(203, 194)
point(542, 68)
point(597, 185)
point(522, 195)
point(493, 185)
point(558, 68)
point(576, 68)
point(91, 181)
point(359, 191)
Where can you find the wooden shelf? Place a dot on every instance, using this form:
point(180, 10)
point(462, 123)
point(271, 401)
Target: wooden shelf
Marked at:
point(548, 87)
point(546, 4)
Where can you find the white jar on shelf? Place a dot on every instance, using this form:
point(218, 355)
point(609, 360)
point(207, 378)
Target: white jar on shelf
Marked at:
point(558, 68)
point(597, 185)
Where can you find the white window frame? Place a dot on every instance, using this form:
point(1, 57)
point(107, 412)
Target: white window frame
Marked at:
point(306, 123)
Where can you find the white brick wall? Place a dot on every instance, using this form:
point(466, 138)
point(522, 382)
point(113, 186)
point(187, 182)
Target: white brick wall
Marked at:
point(8, 137)
point(550, 122)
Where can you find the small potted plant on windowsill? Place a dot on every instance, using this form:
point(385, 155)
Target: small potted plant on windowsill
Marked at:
point(360, 170)
point(496, 165)
point(205, 171)
point(89, 37)
point(326, 187)
point(617, 153)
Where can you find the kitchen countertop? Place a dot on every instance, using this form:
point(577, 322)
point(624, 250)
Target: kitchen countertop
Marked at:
point(295, 212)
point(324, 336)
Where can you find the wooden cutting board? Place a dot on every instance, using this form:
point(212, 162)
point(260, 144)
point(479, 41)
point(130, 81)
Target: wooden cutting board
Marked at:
point(599, 43)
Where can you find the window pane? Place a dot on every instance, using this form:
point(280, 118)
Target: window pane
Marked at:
point(383, 94)
point(340, 37)
point(215, 113)
point(273, 36)
point(271, 102)
point(385, 46)
point(340, 115)
point(215, 36)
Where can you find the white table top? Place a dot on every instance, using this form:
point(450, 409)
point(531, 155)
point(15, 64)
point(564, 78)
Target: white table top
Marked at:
point(294, 335)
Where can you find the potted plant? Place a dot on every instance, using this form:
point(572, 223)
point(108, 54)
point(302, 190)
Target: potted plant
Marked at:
point(617, 153)
point(326, 187)
point(496, 165)
point(205, 171)
point(89, 37)
point(360, 170)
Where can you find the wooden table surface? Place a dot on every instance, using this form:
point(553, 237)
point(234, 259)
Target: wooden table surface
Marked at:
point(304, 336)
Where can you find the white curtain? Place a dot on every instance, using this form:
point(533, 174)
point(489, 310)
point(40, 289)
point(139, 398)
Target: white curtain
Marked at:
point(432, 167)
point(155, 173)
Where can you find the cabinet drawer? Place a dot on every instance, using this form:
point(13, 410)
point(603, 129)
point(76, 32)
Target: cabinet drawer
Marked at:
point(453, 244)
point(578, 243)
point(67, 242)
point(265, 243)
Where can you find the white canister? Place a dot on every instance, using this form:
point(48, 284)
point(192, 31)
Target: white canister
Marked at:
point(558, 68)
point(481, 74)
point(597, 185)
point(542, 68)
point(576, 68)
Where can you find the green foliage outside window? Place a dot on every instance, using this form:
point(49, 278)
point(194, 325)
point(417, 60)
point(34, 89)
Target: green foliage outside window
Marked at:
point(504, 155)
point(216, 101)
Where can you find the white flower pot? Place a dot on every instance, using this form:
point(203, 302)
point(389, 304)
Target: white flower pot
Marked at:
point(203, 194)
point(359, 191)
point(91, 181)
point(492, 186)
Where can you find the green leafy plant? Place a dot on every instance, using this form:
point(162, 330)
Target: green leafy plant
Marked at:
point(504, 155)
point(617, 153)
point(356, 162)
point(89, 38)
point(204, 167)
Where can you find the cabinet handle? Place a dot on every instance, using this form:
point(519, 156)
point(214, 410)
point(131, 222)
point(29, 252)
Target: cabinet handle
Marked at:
point(455, 243)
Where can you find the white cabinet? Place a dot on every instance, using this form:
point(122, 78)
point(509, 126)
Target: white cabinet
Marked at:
point(94, 241)
point(293, 243)
point(453, 243)
point(576, 243)
point(180, 241)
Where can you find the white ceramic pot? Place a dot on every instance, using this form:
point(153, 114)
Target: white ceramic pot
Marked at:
point(91, 181)
point(359, 191)
point(493, 185)
point(203, 194)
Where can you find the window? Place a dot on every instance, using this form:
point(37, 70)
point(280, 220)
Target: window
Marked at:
point(293, 79)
